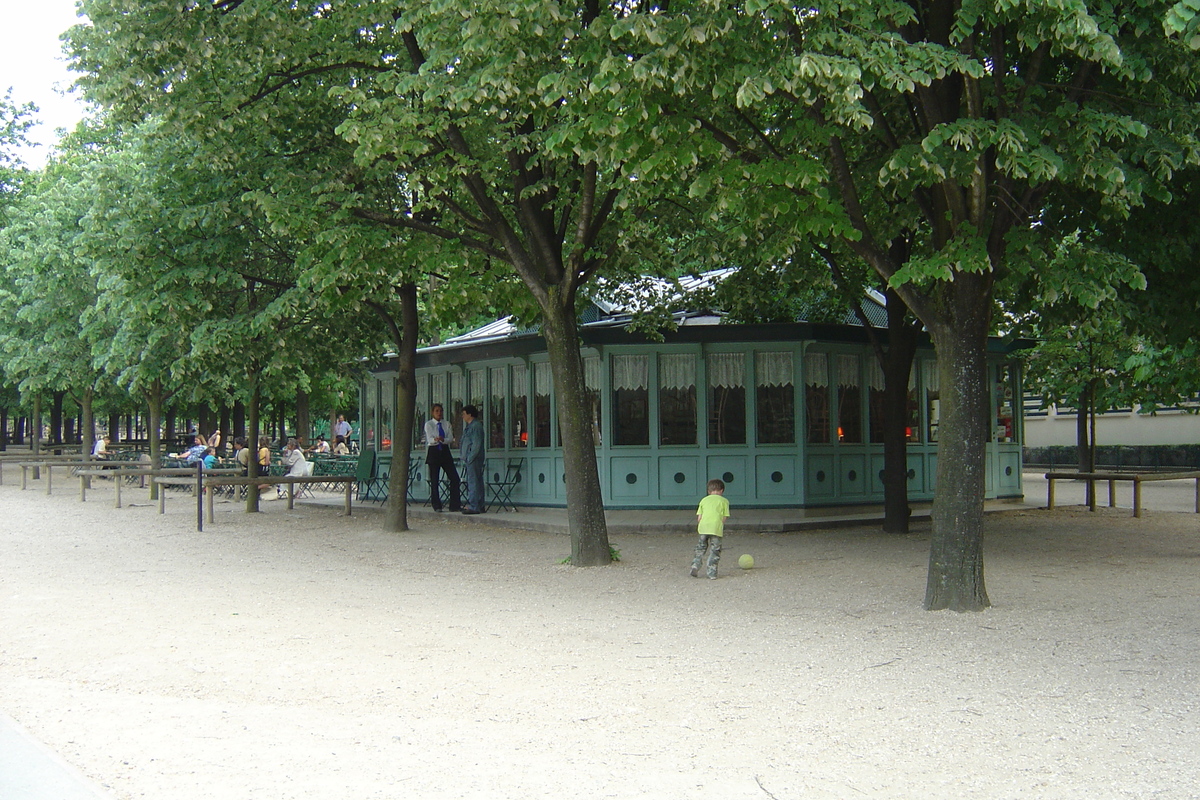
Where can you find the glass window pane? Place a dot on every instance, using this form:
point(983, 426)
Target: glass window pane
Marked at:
point(849, 418)
point(1006, 381)
point(816, 397)
point(933, 403)
point(631, 400)
point(369, 407)
point(677, 399)
point(496, 415)
point(726, 398)
point(457, 393)
point(591, 382)
point(520, 410)
point(541, 404)
point(775, 398)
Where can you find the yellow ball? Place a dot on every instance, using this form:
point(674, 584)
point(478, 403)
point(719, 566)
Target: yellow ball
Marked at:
point(746, 561)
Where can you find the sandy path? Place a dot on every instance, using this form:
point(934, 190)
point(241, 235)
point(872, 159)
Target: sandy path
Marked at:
point(304, 655)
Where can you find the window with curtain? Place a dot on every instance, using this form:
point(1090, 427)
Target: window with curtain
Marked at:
point(370, 404)
point(437, 394)
point(496, 408)
point(387, 404)
point(933, 403)
point(816, 397)
point(726, 398)
point(541, 404)
point(631, 400)
point(775, 398)
point(849, 419)
point(520, 405)
point(477, 390)
point(677, 398)
point(591, 383)
point(454, 410)
point(877, 406)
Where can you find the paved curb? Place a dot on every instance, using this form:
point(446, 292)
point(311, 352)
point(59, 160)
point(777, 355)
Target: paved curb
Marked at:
point(29, 770)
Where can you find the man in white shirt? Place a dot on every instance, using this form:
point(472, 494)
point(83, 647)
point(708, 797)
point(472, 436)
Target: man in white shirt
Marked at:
point(342, 428)
point(440, 457)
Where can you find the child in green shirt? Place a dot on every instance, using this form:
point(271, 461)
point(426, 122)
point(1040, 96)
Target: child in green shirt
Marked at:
point(710, 524)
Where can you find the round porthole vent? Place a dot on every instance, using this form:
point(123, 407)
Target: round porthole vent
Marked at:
point(631, 478)
point(680, 477)
point(776, 477)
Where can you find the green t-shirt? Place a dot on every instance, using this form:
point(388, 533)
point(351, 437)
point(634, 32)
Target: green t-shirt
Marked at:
point(713, 510)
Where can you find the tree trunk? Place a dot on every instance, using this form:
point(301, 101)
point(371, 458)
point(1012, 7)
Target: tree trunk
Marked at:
point(239, 418)
point(56, 418)
point(252, 439)
point(87, 428)
point(406, 406)
point(154, 399)
point(585, 504)
point(955, 578)
point(36, 432)
point(897, 366)
point(303, 418)
point(114, 427)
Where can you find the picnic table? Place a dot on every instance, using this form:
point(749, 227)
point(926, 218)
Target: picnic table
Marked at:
point(1137, 478)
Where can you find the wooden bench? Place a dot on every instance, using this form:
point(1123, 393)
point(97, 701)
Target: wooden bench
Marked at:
point(281, 480)
point(1137, 478)
point(18, 458)
point(49, 467)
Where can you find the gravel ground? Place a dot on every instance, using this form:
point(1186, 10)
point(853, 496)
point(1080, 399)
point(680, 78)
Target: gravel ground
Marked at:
point(307, 655)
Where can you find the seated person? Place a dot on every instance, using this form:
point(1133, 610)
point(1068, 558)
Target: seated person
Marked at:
point(195, 453)
point(339, 446)
point(210, 458)
point(321, 446)
point(101, 448)
point(297, 464)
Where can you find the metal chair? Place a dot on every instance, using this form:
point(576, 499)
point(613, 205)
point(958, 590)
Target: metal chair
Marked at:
point(501, 489)
point(367, 478)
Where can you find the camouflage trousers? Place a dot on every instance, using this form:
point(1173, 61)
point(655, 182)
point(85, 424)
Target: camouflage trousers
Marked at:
point(711, 544)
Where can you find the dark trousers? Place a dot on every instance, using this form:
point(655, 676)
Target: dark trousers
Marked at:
point(438, 459)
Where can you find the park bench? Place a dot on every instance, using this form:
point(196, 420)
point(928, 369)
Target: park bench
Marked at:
point(1137, 478)
point(347, 481)
point(49, 465)
point(17, 458)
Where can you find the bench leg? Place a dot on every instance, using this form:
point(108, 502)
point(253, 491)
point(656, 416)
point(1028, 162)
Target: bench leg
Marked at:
point(1137, 496)
point(350, 488)
point(118, 482)
point(162, 499)
point(212, 490)
point(83, 488)
point(1049, 493)
point(291, 496)
point(49, 480)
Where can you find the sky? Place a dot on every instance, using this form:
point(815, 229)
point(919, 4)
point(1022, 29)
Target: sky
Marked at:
point(31, 62)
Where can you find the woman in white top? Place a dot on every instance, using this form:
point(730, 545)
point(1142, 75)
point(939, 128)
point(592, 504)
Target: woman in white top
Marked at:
point(297, 464)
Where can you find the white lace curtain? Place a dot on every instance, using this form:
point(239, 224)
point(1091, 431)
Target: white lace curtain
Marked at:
point(727, 369)
point(875, 375)
point(456, 386)
point(929, 372)
point(541, 378)
point(439, 387)
point(774, 369)
point(848, 373)
point(591, 372)
point(499, 382)
point(630, 373)
point(816, 369)
point(478, 387)
point(520, 380)
point(677, 371)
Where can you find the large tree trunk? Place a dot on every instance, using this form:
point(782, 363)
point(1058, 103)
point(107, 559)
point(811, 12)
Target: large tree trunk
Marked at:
point(252, 411)
point(87, 428)
point(154, 399)
point(303, 418)
point(585, 504)
point(56, 418)
point(955, 578)
point(406, 406)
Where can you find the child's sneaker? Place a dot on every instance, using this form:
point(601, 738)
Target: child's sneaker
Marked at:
point(712, 577)
point(695, 572)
